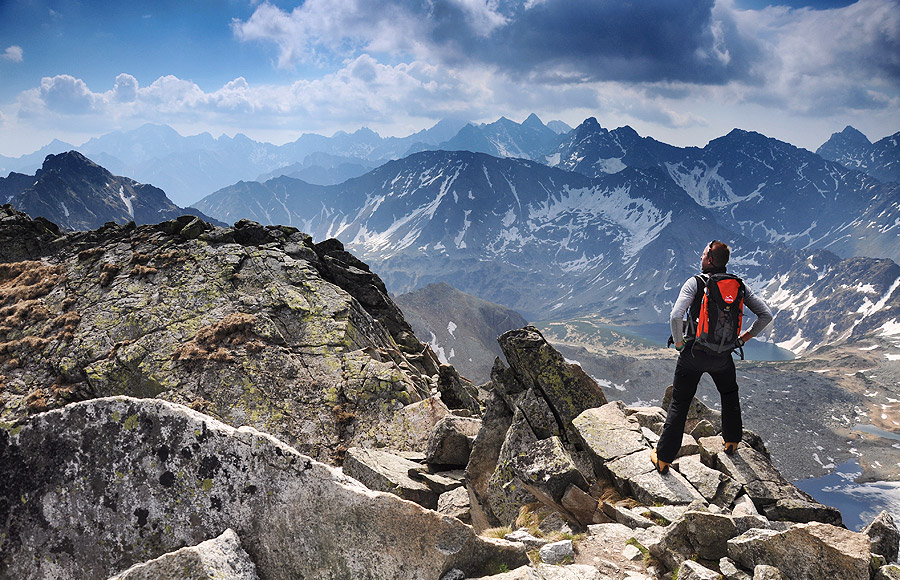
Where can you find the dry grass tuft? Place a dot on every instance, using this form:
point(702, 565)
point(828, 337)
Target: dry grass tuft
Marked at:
point(499, 532)
point(90, 253)
point(143, 271)
point(214, 342)
point(170, 258)
point(139, 258)
point(36, 401)
point(23, 281)
point(108, 271)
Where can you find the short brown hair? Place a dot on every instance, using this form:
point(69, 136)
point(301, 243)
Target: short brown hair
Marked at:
point(719, 253)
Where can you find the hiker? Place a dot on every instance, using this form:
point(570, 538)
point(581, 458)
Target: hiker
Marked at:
point(700, 353)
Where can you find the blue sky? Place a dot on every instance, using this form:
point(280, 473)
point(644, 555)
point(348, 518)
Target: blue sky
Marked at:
point(682, 71)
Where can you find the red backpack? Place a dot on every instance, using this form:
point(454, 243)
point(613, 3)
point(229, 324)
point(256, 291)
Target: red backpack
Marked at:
point(717, 312)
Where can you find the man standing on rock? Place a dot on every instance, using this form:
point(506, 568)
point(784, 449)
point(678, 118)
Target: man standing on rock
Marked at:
point(695, 358)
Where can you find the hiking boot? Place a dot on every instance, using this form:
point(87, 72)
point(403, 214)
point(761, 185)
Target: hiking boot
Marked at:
point(661, 466)
point(730, 447)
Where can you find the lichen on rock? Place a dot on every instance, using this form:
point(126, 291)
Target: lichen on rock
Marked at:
point(241, 323)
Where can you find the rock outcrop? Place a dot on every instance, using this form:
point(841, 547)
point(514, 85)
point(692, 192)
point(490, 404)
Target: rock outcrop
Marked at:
point(252, 325)
point(587, 461)
point(89, 490)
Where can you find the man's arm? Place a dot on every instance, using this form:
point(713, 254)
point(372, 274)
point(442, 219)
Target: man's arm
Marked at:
point(760, 309)
point(676, 319)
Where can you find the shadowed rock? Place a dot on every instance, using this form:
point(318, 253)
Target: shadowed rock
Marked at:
point(385, 471)
point(770, 491)
point(884, 536)
point(565, 387)
point(450, 442)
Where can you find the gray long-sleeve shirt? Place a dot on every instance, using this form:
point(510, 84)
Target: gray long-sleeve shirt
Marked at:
point(686, 298)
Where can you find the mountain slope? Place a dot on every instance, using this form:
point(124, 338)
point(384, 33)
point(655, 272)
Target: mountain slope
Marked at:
point(824, 300)
point(461, 329)
point(76, 193)
point(760, 187)
point(852, 149)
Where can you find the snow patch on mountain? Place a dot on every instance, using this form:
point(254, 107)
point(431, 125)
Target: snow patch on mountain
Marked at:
point(409, 225)
point(705, 185)
point(795, 344)
point(460, 238)
point(641, 221)
point(611, 165)
point(868, 308)
point(439, 350)
point(126, 200)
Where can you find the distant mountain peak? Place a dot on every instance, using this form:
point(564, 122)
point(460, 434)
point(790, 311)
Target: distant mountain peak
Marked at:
point(853, 134)
point(69, 160)
point(533, 121)
point(590, 123)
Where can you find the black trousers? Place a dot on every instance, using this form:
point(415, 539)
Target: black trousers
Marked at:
point(692, 363)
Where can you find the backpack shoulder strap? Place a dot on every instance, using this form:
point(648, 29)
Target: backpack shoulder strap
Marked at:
point(702, 281)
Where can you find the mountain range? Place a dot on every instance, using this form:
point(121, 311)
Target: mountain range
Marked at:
point(852, 149)
point(188, 168)
point(560, 224)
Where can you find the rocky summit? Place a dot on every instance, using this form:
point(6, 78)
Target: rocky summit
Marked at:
point(181, 400)
point(252, 325)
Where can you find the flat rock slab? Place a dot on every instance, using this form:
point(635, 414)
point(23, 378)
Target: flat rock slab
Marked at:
point(638, 478)
point(382, 470)
point(713, 485)
point(98, 486)
point(607, 434)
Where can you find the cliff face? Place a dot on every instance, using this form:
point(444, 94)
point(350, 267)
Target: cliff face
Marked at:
point(252, 325)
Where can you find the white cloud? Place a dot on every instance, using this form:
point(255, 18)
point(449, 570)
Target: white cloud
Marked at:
point(362, 92)
point(821, 61)
point(126, 88)
point(318, 30)
point(678, 75)
point(13, 53)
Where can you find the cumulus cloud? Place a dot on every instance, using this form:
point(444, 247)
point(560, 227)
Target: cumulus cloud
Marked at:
point(553, 40)
point(823, 61)
point(319, 30)
point(66, 94)
point(13, 53)
point(363, 91)
point(125, 89)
